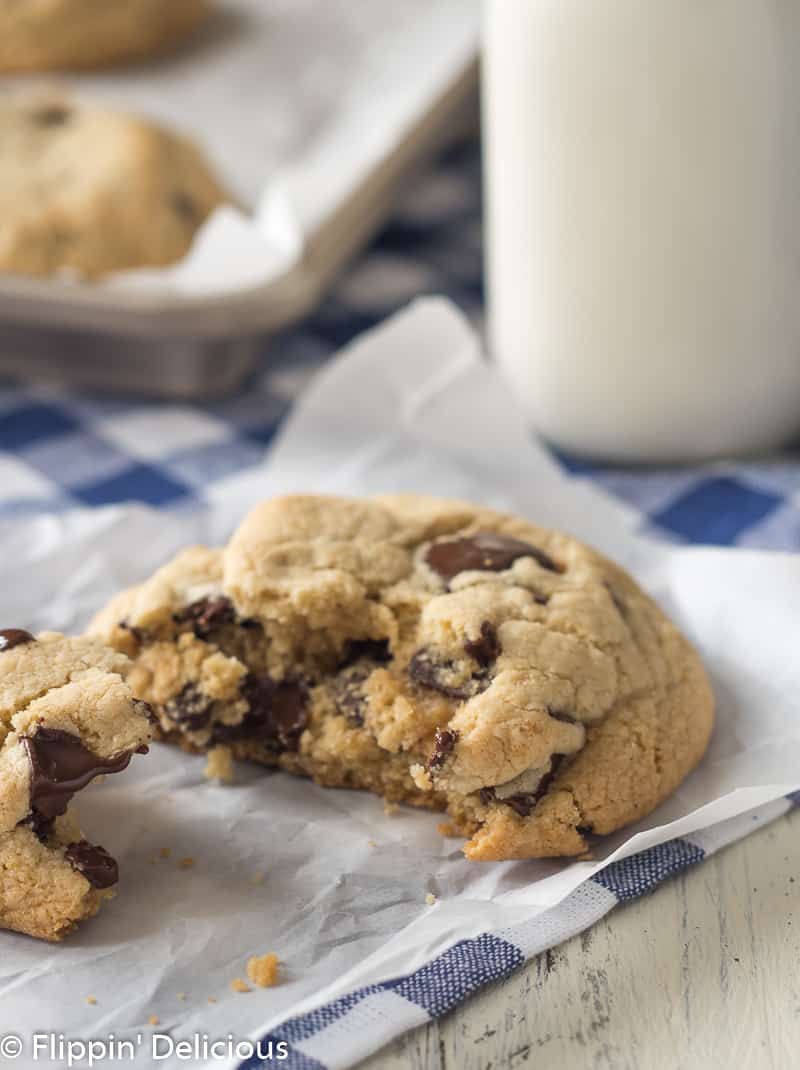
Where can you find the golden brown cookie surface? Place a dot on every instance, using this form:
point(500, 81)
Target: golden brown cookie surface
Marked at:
point(93, 191)
point(72, 34)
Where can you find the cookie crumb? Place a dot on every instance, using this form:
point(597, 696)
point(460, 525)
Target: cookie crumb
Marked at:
point(91, 1000)
point(219, 765)
point(153, 1020)
point(263, 969)
point(257, 878)
point(448, 829)
point(181, 995)
point(390, 808)
point(186, 863)
point(430, 899)
point(421, 777)
point(212, 999)
point(238, 985)
point(164, 852)
point(371, 843)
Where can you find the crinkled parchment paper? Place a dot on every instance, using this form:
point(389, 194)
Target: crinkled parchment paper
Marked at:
point(325, 878)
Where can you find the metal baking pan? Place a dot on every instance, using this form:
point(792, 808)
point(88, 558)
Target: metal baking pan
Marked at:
point(174, 344)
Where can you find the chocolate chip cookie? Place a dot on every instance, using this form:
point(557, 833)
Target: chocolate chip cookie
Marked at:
point(46, 34)
point(432, 651)
point(66, 716)
point(95, 191)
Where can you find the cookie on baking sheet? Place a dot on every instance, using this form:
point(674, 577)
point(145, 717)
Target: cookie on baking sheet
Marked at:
point(95, 191)
point(66, 716)
point(38, 35)
point(432, 651)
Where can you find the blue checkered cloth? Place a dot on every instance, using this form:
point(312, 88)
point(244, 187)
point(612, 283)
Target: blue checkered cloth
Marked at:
point(60, 449)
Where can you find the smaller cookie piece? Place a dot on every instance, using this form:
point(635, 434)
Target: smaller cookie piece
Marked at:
point(67, 716)
point(38, 35)
point(94, 191)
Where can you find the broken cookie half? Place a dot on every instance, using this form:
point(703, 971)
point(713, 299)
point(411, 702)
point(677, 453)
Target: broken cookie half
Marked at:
point(67, 716)
point(432, 651)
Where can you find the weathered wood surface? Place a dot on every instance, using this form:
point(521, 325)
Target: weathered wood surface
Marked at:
point(704, 973)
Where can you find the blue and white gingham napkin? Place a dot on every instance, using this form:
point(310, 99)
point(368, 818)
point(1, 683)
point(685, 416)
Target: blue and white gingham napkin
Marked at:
point(59, 449)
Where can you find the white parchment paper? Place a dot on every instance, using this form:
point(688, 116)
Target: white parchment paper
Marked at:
point(324, 878)
point(296, 102)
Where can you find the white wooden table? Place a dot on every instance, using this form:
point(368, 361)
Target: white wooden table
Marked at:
point(704, 973)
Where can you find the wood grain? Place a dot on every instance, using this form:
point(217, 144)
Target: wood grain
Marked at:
point(704, 973)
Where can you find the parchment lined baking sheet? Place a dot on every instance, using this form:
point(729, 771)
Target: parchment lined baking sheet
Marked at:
point(301, 105)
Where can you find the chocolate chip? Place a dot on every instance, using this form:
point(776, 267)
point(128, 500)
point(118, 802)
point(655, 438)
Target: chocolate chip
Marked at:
point(347, 692)
point(144, 709)
point(94, 863)
point(584, 830)
point(11, 637)
point(427, 670)
point(137, 633)
point(60, 766)
point(190, 709)
point(206, 615)
point(51, 115)
point(486, 649)
point(277, 717)
point(184, 206)
point(40, 826)
point(370, 649)
point(524, 804)
point(486, 551)
point(443, 742)
point(361, 657)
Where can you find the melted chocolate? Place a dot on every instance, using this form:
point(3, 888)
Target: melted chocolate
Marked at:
point(444, 741)
point(524, 804)
point(206, 615)
point(486, 648)
point(137, 633)
point(376, 650)
point(277, 716)
point(11, 637)
point(361, 657)
point(486, 551)
point(95, 863)
point(428, 671)
point(190, 709)
point(60, 766)
point(146, 710)
point(347, 692)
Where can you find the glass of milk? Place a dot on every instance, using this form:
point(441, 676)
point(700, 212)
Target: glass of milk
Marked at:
point(643, 221)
